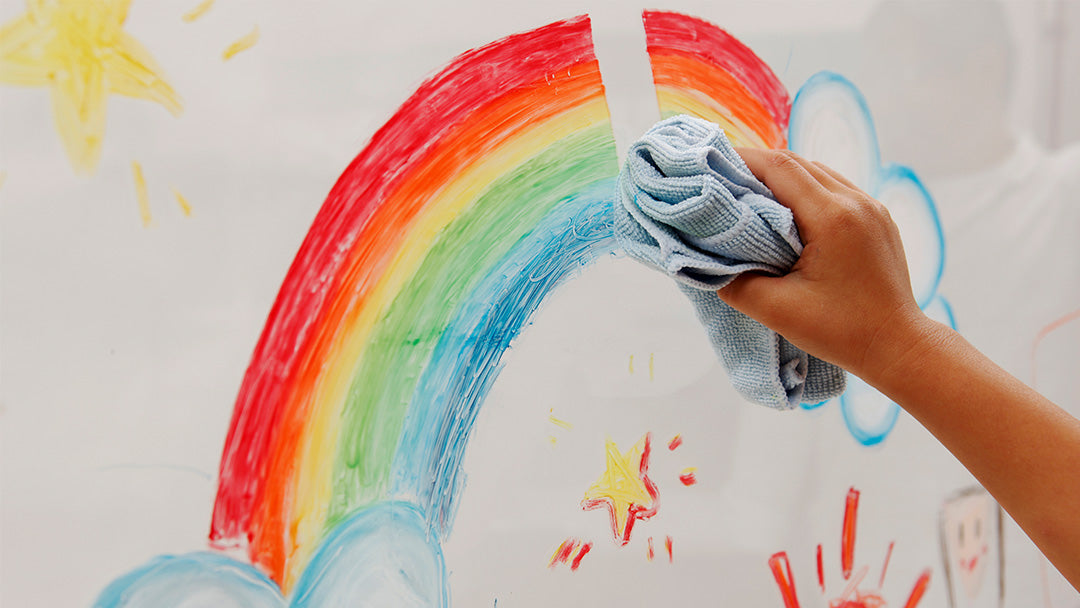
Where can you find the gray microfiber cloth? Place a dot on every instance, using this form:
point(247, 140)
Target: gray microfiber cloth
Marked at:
point(691, 208)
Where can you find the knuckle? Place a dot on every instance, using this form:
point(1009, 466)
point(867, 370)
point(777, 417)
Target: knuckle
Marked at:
point(782, 159)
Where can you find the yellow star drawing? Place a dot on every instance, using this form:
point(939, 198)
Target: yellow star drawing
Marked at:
point(78, 49)
point(625, 488)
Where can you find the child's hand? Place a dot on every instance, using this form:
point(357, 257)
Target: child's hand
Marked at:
point(848, 299)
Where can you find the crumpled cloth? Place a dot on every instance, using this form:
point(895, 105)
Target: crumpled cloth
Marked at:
point(691, 208)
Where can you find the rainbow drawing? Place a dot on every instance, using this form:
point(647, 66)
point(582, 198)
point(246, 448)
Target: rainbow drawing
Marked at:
point(490, 186)
point(701, 70)
point(486, 189)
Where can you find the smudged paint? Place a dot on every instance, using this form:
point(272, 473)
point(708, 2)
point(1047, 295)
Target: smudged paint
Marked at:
point(820, 570)
point(668, 547)
point(785, 580)
point(181, 200)
point(701, 70)
point(847, 538)
point(559, 422)
point(562, 552)
point(242, 44)
point(885, 564)
point(181, 580)
point(81, 53)
point(688, 477)
point(141, 196)
point(675, 442)
point(199, 10)
point(624, 488)
point(652, 367)
point(920, 588)
point(585, 548)
point(631, 364)
point(650, 553)
point(390, 327)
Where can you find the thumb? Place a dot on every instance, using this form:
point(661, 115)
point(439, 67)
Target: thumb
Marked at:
point(755, 295)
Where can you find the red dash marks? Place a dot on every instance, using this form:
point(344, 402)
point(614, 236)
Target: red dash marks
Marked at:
point(563, 552)
point(919, 589)
point(847, 541)
point(667, 545)
point(650, 553)
point(582, 553)
point(675, 442)
point(688, 477)
point(820, 570)
point(781, 569)
point(885, 565)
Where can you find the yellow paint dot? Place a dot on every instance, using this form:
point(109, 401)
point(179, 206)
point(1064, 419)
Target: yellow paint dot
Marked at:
point(185, 206)
point(631, 364)
point(243, 44)
point(198, 11)
point(552, 439)
point(140, 193)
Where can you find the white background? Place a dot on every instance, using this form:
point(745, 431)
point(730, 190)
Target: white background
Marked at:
point(123, 347)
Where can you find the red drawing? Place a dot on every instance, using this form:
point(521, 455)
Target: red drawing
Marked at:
point(853, 595)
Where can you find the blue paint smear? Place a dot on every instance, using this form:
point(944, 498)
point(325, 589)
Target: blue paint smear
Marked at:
point(384, 555)
point(203, 578)
point(468, 357)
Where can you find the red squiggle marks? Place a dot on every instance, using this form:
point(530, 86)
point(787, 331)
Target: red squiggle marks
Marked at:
point(820, 570)
point(667, 546)
point(565, 552)
point(885, 566)
point(688, 477)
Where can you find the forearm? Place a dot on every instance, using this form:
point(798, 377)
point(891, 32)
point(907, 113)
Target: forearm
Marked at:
point(1022, 448)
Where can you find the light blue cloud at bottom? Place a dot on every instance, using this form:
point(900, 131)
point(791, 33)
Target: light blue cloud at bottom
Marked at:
point(383, 556)
point(194, 580)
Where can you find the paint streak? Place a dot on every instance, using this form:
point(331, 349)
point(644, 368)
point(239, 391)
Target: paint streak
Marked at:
point(852, 585)
point(702, 70)
point(847, 539)
point(181, 200)
point(242, 44)
point(581, 554)
point(885, 564)
point(820, 570)
point(560, 423)
point(688, 476)
point(408, 289)
point(918, 590)
point(667, 547)
point(81, 53)
point(183, 580)
point(141, 196)
point(562, 552)
point(650, 553)
point(675, 442)
point(631, 364)
point(624, 488)
point(652, 368)
point(1042, 334)
point(781, 569)
point(198, 11)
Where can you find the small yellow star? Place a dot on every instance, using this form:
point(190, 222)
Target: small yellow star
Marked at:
point(78, 49)
point(625, 488)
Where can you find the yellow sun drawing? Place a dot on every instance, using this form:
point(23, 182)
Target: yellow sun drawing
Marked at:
point(79, 50)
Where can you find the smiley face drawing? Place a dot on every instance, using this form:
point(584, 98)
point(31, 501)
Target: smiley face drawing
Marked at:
point(971, 547)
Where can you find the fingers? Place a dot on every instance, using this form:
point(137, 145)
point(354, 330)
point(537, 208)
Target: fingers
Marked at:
point(756, 295)
point(796, 183)
point(836, 175)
